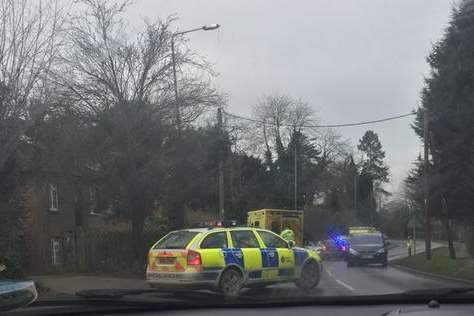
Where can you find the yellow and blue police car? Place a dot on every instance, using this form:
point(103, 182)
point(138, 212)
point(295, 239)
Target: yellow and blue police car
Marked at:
point(228, 259)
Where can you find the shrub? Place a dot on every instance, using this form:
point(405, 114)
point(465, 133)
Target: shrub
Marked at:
point(12, 247)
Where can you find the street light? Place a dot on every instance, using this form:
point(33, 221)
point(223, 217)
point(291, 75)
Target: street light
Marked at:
point(208, 27)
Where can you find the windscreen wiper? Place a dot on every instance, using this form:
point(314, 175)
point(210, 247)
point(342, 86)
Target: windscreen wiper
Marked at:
point(122, 300)
point(113, 293)
point(440, 292)
point(180, 295)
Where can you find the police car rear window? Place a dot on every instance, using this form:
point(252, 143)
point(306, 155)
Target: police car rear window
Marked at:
point(176, 240)
point(366, 239)
point(215, 241)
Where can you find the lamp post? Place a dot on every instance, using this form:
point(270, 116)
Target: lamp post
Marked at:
point(426, 191)
point(209, 27)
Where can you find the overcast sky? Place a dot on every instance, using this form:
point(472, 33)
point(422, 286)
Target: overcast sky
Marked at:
point(351, 60)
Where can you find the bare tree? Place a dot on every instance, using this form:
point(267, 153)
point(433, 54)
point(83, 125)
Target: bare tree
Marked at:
point(278, 117)
point(123, 83)
point(106, 66)
point(331, 145)
point(29, 43)
point(103, 68)
point(300, 114)
point(273, 111)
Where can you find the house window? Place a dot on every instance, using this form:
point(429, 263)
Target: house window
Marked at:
point(53, 197)
point(92, 198)
point(55, 251)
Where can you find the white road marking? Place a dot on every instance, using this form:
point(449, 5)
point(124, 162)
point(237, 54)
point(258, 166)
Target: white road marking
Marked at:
point(347, 286)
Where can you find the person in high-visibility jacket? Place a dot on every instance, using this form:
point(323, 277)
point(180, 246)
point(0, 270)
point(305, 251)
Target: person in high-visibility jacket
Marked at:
point(288, 235)
point(409, 245)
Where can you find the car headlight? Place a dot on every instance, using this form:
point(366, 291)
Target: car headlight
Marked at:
point(381, 250)
point(353, 251)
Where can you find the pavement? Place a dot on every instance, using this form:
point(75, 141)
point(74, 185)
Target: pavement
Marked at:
point(337, 279)
point(70, 284)
point(398, 250)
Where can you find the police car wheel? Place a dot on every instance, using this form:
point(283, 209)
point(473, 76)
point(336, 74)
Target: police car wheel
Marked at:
point(230, 283)
point(310, 276)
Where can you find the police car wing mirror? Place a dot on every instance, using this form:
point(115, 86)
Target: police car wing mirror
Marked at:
point(291, 244)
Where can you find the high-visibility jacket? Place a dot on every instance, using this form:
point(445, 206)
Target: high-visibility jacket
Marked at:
point(410, 243)
point(288, 235)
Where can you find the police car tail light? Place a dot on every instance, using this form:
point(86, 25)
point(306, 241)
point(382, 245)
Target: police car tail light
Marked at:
point(194, 258)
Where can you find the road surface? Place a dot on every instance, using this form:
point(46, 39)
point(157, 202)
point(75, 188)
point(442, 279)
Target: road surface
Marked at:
point(338, 279)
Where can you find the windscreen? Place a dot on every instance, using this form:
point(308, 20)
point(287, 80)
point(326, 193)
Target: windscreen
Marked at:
point(366, 239)
point(130, 130)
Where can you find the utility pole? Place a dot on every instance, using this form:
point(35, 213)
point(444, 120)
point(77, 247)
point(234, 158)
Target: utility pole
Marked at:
point(414, 231)
point(426, 186)
point(412, 217)
point(374, 205)
point(355, 191)
point(221, 165)
point(296, 171)
point(356, 173)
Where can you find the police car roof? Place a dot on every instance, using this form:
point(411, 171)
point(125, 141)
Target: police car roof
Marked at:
point(366, 234)
point(201, 229)
point(195, 230)
point(276, 210)
point(205, 229)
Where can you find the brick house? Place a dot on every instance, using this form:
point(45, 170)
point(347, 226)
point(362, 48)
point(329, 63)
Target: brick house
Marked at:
point(51, 224)
point(60, 198)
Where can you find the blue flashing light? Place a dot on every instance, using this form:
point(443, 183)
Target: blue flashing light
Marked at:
point(338, 239)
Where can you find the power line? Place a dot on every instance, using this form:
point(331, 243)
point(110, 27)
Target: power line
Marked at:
point(390, 118)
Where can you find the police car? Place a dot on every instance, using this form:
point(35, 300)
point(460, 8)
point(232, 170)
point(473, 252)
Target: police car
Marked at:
point(228, 259)
point(367, 247)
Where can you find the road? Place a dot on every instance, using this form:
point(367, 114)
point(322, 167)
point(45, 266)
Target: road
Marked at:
point(337, 279)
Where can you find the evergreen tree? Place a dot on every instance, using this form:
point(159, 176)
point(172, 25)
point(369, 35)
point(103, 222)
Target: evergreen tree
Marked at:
point(448, 105)
point(373, 174)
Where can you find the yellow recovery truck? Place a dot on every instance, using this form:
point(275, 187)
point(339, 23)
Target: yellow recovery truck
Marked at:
point(277, 220)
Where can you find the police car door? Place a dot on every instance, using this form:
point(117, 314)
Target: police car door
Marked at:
point(277, 254)
point(246, 246)
point(212, 253)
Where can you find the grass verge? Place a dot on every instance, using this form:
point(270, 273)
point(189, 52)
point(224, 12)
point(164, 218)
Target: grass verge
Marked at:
point(440, 264)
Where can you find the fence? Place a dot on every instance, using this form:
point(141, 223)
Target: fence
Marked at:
point(111, 252)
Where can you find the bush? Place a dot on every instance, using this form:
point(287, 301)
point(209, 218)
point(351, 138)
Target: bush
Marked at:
point(156, 222)
point(12, 246)
point(469, 239)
